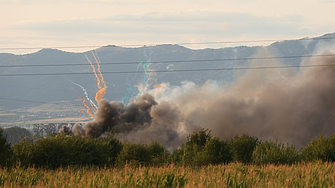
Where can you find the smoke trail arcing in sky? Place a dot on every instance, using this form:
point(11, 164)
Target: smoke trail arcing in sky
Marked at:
point(86, 94)
point(102, 86)
point(102, 89)
point(260, 103)
point(88, 108)
point(130, 93)
point(100, 79)
point(142, 86)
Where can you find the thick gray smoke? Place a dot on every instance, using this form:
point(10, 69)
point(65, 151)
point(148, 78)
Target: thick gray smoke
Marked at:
point(65, 130)
point(111, 114)
point(289, 105)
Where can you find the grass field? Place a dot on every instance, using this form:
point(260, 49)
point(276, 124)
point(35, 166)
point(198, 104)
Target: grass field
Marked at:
point(318, 174)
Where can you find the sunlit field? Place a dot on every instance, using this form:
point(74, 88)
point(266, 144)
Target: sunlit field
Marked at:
point(317, 174)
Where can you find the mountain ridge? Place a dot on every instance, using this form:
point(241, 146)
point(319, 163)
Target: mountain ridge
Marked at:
point(59, 88)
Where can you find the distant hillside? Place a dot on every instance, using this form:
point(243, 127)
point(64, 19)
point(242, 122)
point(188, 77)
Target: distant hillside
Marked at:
point(59, 88)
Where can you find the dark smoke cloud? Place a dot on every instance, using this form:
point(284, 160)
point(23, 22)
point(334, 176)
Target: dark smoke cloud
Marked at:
point(289, 105)
point(110, 114)
point(65, 130)
point(78, 130)
point(264, 104)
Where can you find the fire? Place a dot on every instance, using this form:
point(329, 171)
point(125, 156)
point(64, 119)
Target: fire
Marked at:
point(94, 110)
point(102, 86)
point(88, 108)
point(102, 89)
point(100, 80)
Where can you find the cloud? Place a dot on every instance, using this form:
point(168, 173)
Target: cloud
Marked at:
point(173, 23)
point(66, 2)
point(160, 27)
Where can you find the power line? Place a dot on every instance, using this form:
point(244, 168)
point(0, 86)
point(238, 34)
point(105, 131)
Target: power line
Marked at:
point(155, 44)
point(35, 88)
point(176, 61)
point(44, 89)
point(174, 71)
point(30, 101)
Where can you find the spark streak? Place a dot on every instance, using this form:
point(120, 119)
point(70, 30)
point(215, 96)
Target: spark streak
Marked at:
point(97, 77)
point(88, 108)
point(86, 94)
point(102, 90)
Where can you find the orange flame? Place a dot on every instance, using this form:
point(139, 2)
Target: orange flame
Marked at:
point(94, 110)
point(102, 89)
point(88, 108)
point(96, 76)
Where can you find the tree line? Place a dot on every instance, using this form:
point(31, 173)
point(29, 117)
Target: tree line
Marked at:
point(200, 148)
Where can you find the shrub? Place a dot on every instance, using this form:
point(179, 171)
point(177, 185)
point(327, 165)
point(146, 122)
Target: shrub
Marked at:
point(217, 151)
point(191, 150)
point(5, 150)
point(134, 154)
point(202, 149)
point(275, 153)
point(53, 152)
point(320, 148)
point(158, 153)
point(22, 152)
point(198, 138)
point(242, 147)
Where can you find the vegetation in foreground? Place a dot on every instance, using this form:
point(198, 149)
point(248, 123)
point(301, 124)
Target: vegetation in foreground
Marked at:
point(202, 161)
point(200, 148)
point(312, 174)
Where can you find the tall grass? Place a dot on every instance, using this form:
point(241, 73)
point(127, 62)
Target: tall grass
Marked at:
point(316, 174)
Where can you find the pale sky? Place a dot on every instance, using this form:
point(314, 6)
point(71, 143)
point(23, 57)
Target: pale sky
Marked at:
point(52, 23)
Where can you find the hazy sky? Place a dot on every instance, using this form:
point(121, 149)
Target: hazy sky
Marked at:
point(51, 23)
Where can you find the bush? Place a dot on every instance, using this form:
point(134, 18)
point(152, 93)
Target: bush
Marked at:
point(217, 151)
point(134, 154)
point(198, 138)
point(22, 152)
point(320, 148)
point(158, 154)
point(5, 150)
point(53, 152)
point(275, 153)
point(190, 151)
point(202, 149)
point(243, 147)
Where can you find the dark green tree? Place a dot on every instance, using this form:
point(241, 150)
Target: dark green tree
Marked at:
point(5, 150)
point(216, 151)
point(320, 148)
point(242, 147)
point(158, 154)
point(134, 154)
point(56, 151)
point(202, 149)
point(275, 153)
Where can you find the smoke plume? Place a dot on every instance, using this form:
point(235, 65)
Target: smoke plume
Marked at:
point(289, 105)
